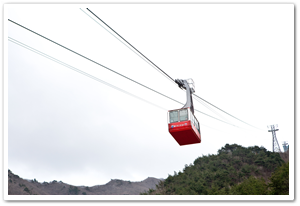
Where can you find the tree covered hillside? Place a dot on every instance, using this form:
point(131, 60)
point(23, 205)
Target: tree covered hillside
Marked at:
point(235, 170)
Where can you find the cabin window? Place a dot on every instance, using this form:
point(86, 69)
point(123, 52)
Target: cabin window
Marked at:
point(197, 126)
point(192, 119)
point(195, 122)
point(173, 116)
point(183, 115)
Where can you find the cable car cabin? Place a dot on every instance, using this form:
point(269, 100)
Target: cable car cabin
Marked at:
point(183, 126)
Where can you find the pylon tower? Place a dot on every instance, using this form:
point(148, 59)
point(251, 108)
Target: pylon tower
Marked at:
point(275, 145)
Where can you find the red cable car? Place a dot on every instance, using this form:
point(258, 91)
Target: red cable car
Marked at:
point(183, 125)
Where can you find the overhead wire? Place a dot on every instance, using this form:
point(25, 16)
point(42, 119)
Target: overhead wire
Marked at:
point(91, 60)
point(79, 71)
point(131, 45)
point(212, 110)
point(116, 72)
point(87, 75)
point(163, 71)
point(227, 112)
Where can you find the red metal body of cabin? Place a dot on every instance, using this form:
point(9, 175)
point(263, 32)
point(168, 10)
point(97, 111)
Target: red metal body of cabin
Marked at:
point(184, 132)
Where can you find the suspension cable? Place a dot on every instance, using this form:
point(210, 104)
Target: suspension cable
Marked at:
point(131, 45)
point(226, 112)
point(91, 60)
point(88, 75)
point(212, 109)
point(97, 79)
point(78, 70)
point(163, 71)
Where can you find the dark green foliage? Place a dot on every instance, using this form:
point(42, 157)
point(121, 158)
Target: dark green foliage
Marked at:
point(84, 193)
point(27, 190)
point(73, 190)
point(150, 191)
point(234, 170)
point(280, 180)
point(260, 161)
point(252, 185)
point(34, 181)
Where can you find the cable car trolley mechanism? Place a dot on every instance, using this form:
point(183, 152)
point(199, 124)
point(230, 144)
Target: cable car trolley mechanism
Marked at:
point(183, 125)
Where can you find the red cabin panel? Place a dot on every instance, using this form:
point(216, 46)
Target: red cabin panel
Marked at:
point(184, 133)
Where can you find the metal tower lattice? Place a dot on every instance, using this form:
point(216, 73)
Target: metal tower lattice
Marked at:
point(273, 129)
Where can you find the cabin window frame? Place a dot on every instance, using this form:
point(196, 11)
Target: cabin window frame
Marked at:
point(178, 115)
point(187, 115)
point(170, 118)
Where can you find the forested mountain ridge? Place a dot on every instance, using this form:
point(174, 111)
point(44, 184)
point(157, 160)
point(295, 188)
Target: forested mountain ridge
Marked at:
point(235, 170)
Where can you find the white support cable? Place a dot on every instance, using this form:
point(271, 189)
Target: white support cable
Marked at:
point(225, 119)
point(212, 110)
point(95, 78)
point(112, 70)
point(152, 64)
point(126, 45)
point(79, 71)
point(88, 75)
point(228, 113)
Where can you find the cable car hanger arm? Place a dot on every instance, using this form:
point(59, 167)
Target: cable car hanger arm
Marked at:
point(184, 84)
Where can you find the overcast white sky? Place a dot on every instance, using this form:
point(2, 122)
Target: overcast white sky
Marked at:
point(65, 126)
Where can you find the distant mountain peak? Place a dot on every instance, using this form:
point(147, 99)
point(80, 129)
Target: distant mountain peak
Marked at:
point(19, 186)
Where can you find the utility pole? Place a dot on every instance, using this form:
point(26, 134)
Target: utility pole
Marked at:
point(273, 129)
